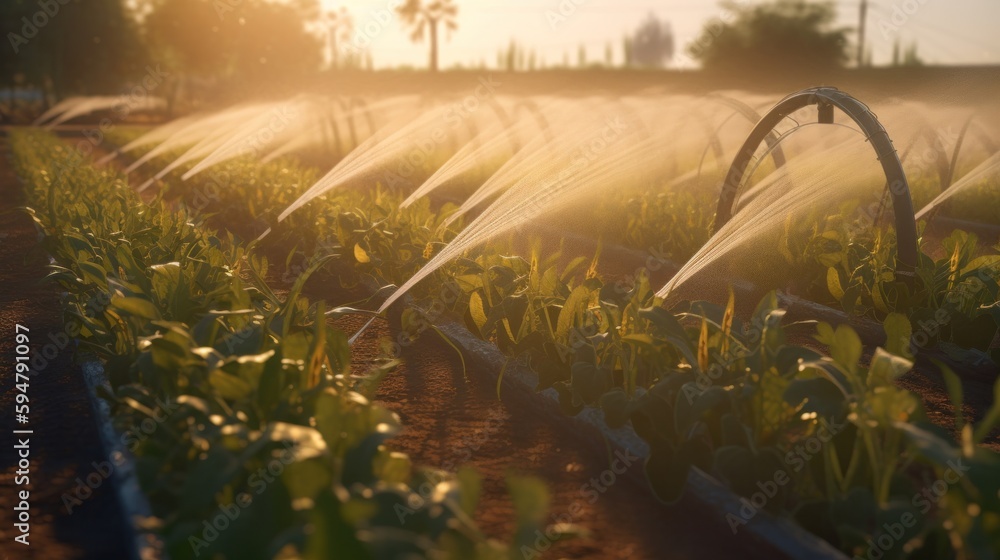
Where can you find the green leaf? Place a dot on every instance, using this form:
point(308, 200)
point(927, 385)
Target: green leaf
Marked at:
point(93, 273)
point(615, 404)
point(846, 348)
point(332, 536)
point(954, 386)
point(531, 500)
point(471, 483)
point(991, 419)
point(886, 368)
point(589, 382)
point(897, 334)
point(360, 254)
point(306, 479)
point(936, 447)
point(136, 306)
point(573, 308)
point(818, 395)
point(666, 472)
point(476, 310)
point(833, 283)
point(228, 386)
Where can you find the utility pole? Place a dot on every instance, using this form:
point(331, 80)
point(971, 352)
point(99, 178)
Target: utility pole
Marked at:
point(862, 16)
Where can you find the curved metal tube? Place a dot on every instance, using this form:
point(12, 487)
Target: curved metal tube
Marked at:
point(751, 114)
point(826, 99)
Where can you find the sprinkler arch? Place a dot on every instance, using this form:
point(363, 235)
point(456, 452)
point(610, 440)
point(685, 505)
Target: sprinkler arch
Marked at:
point(527, 105)
point(751, 114)
point(826, 99)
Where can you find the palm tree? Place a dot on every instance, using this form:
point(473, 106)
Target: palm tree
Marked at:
point(420, 16)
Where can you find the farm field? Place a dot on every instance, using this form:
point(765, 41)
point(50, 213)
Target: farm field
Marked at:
point(504, 325)
point(500, 280)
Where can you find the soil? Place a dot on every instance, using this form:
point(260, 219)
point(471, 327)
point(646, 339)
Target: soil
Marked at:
point(65, 442)
point(451, 419)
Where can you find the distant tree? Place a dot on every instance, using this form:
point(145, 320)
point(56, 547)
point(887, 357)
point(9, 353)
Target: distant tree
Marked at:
point(254, 41)
point(510, 57)
point(653, 43)
point(609, 55)
point(907, 56)
point(581, 56)
point(786, 34)
point(627, 50)
point(88, 47)
point(421, 17)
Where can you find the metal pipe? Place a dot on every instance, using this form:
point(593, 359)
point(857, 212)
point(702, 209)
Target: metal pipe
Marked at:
point(899, 190)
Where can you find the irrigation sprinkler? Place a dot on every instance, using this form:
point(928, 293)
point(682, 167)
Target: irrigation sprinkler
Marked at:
point(751, 114)
point(505, 122)
point(527, 105)
point(713, 139)
point(940, 157)
point(347, 106)
point(827, 99)
point(984, 138)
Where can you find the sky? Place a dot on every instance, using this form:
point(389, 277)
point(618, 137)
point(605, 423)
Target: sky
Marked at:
point(947, 31)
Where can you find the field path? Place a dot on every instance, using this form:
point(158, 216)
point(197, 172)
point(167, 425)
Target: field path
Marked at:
point(451, 419)
point(65, 441)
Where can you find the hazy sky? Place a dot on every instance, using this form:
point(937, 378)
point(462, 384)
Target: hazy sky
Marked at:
point(947, 31)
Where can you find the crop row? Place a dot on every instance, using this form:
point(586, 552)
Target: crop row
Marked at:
point(734, 398)
point(266, 444)
point(845, 259)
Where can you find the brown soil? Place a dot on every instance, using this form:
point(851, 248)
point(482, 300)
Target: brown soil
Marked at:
point(450, 420)
point(65, 440)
